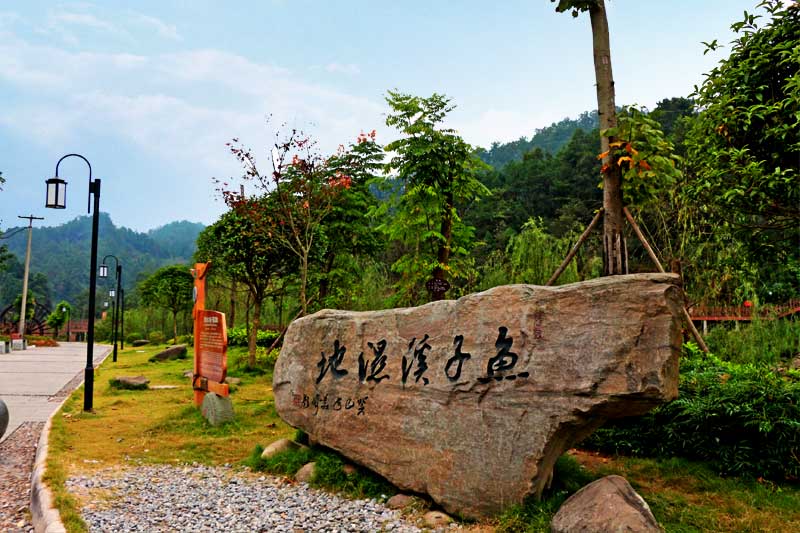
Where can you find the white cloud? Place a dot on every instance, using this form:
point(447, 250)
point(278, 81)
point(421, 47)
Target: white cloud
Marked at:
point(168, 31)
point(339, 68)
point(82, 19)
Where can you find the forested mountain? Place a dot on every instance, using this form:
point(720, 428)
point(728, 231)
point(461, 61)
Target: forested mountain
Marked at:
point(60, 256)
point(550, 139)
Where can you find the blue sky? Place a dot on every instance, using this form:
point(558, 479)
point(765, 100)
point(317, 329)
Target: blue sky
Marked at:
point(151, 91)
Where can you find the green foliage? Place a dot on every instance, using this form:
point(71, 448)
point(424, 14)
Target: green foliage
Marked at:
point(745, 143)
point(744, 419)
point(170, 288)
point(238, 337)
point(535, 255)
point(285, 463)
point(647, 158)
point(156, 337)
point(438, 171)
point(133, 336)
point(770, 342)
point(59, 316)
point(361, 483)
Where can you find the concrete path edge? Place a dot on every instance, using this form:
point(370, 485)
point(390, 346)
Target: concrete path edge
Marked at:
point(44, 517)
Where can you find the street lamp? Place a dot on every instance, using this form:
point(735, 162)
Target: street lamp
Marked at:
point(65, 310)
point(57, 199)
point(114, 293)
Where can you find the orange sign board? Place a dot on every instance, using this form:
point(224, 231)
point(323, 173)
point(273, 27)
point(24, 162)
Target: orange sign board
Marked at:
point(211, 345)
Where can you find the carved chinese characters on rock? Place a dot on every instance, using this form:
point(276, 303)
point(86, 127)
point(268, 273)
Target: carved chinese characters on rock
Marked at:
point(414, 362)
point(472, 401)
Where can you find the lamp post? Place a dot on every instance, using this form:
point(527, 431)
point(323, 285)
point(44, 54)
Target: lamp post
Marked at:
point(66, 310)
point(57, 199)
point(121, 318)
point(113, 293)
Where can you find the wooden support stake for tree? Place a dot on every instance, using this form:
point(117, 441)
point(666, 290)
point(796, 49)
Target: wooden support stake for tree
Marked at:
point(653, 256)
point(574, 250)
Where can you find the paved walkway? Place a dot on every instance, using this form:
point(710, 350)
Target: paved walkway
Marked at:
point(34, 381)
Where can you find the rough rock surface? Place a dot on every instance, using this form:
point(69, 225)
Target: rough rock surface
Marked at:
point(217, 409)
point(472, 401)
point(173, 352)
point(608, 504)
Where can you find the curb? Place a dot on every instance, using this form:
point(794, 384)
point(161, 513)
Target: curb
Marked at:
point(44, 517)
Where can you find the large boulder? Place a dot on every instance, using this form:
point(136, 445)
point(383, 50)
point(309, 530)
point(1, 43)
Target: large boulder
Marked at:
point(472, 401)
point(173, 352)
point(608, 504)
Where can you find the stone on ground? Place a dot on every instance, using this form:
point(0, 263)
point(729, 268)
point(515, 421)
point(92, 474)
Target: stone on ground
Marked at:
point(280, 446)
point(173, 352)
point(306, 473)
point(472, 401)
point(434, 519)
point(129, 382)
point(217, 409)
point(608, 504)
point(400, 501)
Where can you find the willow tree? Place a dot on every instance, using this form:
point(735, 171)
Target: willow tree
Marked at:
point(614, 252)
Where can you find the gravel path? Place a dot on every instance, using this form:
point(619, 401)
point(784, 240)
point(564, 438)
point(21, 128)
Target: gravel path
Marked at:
point(200, 498)
point(16, 462)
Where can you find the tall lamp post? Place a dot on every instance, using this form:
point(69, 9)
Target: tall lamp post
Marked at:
point(66, 310)
point(57, 199)
point(121, 318)
point(114, 294)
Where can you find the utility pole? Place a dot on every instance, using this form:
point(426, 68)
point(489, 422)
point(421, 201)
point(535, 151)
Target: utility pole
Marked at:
point(24, 308)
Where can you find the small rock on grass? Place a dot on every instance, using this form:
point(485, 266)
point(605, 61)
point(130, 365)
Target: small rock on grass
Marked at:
point(434, 519)
point(305, 474)
point(129, 382)
point(279, 446)
point(399, 501)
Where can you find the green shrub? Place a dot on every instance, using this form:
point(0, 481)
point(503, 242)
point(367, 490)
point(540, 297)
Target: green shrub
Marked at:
point(761, 341)
point(742, 418)
point(238, 337)
point(133, 336)
point(156, 337)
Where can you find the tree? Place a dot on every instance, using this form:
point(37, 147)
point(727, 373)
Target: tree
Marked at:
point(348, 231)
point(58, 317)
point(613, 218)
point(438, 172)
point(745, 146)
point(242, 246)
point(300, 191)
point(170, 288)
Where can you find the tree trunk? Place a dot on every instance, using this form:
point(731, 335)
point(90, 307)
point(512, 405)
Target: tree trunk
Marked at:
point(175, 327)
point(614, 248)
point(232, 314)
point(443, 255)
point(303, 282)
point(252, 341)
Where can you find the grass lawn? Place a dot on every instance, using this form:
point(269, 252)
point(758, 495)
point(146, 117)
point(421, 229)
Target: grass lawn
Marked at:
point(131, 427)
